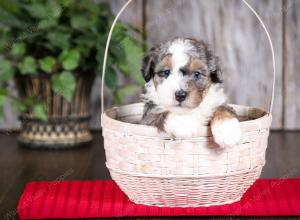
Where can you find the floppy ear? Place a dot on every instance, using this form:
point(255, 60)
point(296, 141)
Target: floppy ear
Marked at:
point(148, 65)
point(214, 66)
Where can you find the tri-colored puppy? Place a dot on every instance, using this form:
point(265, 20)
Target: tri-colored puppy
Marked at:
point(183, 92)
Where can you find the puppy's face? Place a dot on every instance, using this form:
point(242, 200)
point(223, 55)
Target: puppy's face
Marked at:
point(181, 72)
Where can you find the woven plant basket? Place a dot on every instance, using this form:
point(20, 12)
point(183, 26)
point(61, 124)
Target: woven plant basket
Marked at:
point(68, 122)
point(152, 169)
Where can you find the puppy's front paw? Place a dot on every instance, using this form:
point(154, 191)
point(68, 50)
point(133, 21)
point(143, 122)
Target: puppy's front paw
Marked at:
point(227, 133)
point(181, 132)
point(181, 126)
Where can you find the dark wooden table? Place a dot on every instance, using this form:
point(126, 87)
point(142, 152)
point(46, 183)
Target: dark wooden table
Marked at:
point(20, 165)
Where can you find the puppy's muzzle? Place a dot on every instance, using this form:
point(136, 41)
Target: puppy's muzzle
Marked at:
point(180, 95)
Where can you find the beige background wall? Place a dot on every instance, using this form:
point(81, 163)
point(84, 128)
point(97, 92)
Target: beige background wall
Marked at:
point(238, 39)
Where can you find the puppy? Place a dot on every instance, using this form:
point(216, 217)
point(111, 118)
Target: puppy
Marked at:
point(183, 92)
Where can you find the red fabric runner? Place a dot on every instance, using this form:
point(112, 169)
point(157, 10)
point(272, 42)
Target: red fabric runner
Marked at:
point(96, 199)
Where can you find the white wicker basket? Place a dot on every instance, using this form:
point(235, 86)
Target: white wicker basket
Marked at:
point(152, 169)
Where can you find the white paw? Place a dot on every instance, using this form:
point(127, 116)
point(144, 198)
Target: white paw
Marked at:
point(227, 133)
point(181, 126)
point(181, 132)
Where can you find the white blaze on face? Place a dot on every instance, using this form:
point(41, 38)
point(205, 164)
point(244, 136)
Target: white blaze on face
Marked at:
point(166, 90)
point(178, 50)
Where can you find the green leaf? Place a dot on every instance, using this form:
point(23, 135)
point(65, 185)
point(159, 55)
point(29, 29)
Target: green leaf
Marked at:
point(59, 39)
point(28, 66)
point(54, 10)
point(30, 36)
point(64, 84)
point(6, 70)
point(69, 59)
point(10, 20)
point(100, 53)
point(10, 6)
point(65, 3)
point(105, 8)
point(80, 22)
point(120, 32)
point(3, 96)
point(85, 44)
point(49, 11)
point(47, 64)
point(118, 52)
point(18, 49)
point(29, 101)
point(1, 112)
point(133, 58)
point(47, 23)
point(87, 40)
point(111, 77)
point(18, 106)
point(125, 92)
point(88, 6)
point(40, 111)
point(5, 41)
point(37, 10)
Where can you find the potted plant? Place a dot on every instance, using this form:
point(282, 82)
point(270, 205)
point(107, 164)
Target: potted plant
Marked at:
point(53, 50)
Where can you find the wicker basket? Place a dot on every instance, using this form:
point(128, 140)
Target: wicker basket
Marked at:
point(153, 169)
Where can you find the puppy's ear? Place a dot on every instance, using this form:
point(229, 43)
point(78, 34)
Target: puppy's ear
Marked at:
point(214, 66)
point(148, 65)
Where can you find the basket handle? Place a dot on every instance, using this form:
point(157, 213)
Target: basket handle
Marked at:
point(244, 1)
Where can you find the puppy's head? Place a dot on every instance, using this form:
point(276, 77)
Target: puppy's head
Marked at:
point(180, 72)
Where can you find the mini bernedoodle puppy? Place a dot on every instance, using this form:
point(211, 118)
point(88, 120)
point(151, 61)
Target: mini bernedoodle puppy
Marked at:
point(183, 92)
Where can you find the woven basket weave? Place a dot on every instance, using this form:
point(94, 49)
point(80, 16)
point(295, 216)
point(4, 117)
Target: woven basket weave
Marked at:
point(153, 169)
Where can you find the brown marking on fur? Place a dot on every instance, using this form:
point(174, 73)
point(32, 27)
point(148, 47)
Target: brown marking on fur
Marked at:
point(155, 119)
point(223, 113)
point(211, 60)
point(164, 64)
point(167, 61)
point(196, 93)
point(197, 64)
point(161, 121)
point(150, 117)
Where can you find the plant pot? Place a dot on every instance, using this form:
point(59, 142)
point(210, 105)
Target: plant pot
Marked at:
point(68, 123)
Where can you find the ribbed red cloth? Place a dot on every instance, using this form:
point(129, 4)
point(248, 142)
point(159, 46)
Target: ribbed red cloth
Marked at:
point(96, 199)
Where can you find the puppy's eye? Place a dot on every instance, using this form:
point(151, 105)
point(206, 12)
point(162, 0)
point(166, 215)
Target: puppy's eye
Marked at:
point(198, 75)
point(164, 73)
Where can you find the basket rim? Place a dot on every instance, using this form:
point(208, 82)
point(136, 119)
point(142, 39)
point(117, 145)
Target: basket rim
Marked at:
point(115, 125)
point(257, 168)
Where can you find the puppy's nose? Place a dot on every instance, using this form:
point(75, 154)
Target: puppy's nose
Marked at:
point(180, 95)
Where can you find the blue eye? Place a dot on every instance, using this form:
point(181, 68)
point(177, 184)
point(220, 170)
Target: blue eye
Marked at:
point(164, 73)
point(197, 75)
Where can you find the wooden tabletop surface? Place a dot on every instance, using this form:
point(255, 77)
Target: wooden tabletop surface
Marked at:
point(20, 165)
